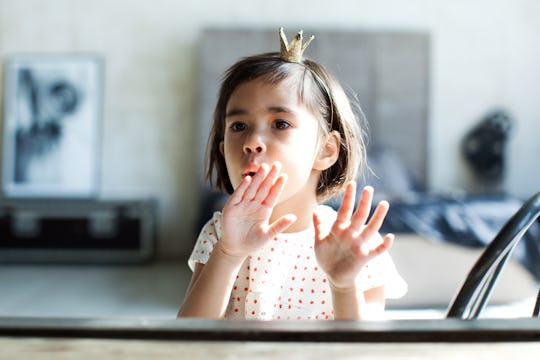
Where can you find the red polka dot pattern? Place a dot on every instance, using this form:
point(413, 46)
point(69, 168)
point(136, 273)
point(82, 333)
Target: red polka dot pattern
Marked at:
point(282, 281)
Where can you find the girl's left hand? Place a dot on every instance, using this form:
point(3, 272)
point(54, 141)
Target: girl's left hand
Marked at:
point(350, 243)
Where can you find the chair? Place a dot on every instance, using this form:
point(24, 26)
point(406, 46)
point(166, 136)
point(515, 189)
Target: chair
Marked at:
point(476, 289)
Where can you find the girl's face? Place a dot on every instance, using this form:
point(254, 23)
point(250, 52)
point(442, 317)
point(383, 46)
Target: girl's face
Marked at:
point(267, 123)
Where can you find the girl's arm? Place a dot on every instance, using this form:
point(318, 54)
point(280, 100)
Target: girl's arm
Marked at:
point(245, 228)
point(210, 288)
point(344, 249)
point(351, 304)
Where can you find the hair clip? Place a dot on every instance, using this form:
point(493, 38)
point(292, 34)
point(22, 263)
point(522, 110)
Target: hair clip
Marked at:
point(293, 52)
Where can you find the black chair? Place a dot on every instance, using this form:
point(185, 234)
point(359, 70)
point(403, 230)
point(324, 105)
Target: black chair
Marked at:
point(475, 292)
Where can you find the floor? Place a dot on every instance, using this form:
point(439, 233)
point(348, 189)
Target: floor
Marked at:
point(152, 290)
point(155, 291)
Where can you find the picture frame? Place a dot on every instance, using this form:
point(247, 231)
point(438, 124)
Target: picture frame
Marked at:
point(52, 125)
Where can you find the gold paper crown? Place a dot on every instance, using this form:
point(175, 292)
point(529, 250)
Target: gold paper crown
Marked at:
point(293, 52)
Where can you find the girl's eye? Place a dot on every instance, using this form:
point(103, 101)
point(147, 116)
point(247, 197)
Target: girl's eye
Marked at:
point(237, 126)
point(281, 124)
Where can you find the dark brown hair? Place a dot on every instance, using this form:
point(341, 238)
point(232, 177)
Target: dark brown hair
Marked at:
point(319, 91)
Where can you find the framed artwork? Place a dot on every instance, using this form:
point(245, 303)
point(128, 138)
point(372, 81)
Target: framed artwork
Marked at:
point(52, 123)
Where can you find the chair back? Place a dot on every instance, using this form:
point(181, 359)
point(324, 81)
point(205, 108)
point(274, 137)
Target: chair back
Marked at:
point(476, 289)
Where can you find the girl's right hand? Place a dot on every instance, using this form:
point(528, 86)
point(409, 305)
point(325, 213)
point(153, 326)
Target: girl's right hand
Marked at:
point(246, 215)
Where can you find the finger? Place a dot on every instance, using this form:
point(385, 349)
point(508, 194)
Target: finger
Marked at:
point(361, 214)
point(281, 225)
point(387, 243)
point(347, 204)
point(238, 194)
point(275, 191)
point(376, 220)
point(268, 182)
point(317, 227)
point(260, 175)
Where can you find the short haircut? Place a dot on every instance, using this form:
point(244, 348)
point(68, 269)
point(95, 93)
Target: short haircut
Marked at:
point(323, 96)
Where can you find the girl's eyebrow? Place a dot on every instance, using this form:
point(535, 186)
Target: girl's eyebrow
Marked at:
point(235, 112)
point(280, 109)
point(270, 109)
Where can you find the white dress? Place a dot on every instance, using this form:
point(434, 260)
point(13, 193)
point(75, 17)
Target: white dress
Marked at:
point(282, 281)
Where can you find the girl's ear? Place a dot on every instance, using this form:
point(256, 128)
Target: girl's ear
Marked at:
point(329, 152)
point(221, 147)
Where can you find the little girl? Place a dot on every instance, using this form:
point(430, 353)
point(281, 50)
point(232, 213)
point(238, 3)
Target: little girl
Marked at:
point(284, 140)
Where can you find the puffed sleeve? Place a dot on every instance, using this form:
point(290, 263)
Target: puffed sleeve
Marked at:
point(208, 237)
point(381, 271)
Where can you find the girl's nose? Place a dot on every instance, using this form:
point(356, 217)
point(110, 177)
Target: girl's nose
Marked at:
point(254, 145)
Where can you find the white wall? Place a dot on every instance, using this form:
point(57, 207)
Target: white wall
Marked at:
point(485, 53)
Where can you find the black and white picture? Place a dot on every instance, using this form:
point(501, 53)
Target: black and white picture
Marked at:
point(51, 125)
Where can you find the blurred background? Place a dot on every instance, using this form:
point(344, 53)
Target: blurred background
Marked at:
point(485, 54)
